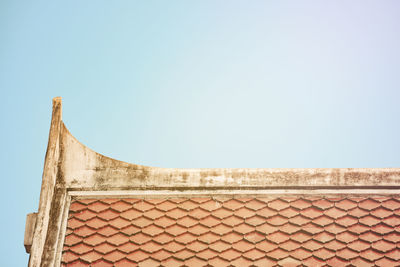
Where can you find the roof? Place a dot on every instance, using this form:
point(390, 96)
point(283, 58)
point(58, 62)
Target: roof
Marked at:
point(94, 209)
point(226, 231)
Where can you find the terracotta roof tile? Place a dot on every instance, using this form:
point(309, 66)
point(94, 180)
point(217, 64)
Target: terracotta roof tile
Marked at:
point(120, 206)
point(244, 213)
point(143, 206)
point(76, 206)
point(255, 220)
point(391, 204)
point(128, 247)
point(69, 256)
point(336, 261)
point(313, 261)
point(323, 220)
point(278, 204)
point(163, 238)
point(242, 262)
point(370, 237)
point(198, 229)
point(357, 212)
point(322, 204)
point(312, 245)
point(324, 254)
point(166, 206)
point(383, 246)
point(359, 245)
point(218, 262)
point(359, 261)
point(197, 246)
point(346, 221)
point(300, 254)
point(207, 254)
point(312, 228)
point(278, 237)
point(131, 214)
point(140, 238)
point(198, 213)
point(286, 231)
point(208, 238)
point(101, 263)
point(300, 237)
point(254, 237)
point(311, 213)
point(347, 254)
point(72, 239)
point(345, 204)
point(171, 262)
point(371, 255)
point(173, 247)
point(335, 245)
point(175, 230)
point(233, 204)
point(118, 223)
point(358, 228)
point(289, 228)
point(137, 256)
point(160, 255)
point(255, 204)
point(222, 213)
point(266, 212)
point(392, 237)
point(299, 220)
point(230, 254)
point(392, 221)
point(385, 262)
point(266, 246)
point(220, 246)
point(195, 261)
point(289, 212)
point(105, 248)
point(300, 204)
point(277, 220)
point(151, 247)
point(278, 254)
point(232, 237)
point(125, 263)
point(346, 237)
point(184, 254)
point(94, 240)
point(185, 238)
point(81, 249)
point(394, 254)
point(289, 261)
point(230, 221)
point(335, 213)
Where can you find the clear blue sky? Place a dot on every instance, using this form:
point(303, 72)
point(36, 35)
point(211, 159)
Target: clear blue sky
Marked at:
point(196, 84)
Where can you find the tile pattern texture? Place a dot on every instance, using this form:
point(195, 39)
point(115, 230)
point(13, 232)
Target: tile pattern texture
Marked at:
point(217, 231)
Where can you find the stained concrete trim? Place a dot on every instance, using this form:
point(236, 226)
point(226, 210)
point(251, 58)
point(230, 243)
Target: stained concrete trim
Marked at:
point(85, 169)
point(226, 193)
point(50, 172)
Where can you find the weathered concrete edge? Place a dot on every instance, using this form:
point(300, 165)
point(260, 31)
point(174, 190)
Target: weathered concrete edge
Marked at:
point(85, 169)
point(50, 171)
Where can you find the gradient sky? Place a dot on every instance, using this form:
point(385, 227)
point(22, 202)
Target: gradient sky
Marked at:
point(196, 84)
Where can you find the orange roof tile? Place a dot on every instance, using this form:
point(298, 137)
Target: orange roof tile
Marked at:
point(286, 231)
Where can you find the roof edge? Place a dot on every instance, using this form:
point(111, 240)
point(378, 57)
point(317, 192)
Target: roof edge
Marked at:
point(50, 171)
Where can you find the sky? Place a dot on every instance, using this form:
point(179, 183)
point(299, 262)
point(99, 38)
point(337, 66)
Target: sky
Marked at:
point(249, 84)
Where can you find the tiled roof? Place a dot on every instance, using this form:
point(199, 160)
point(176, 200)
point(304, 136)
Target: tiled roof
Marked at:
point(253, 231)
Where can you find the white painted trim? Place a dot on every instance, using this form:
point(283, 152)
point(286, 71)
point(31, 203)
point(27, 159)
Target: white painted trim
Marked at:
point(268, 192)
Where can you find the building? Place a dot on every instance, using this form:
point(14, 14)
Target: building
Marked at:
point(97, 211)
